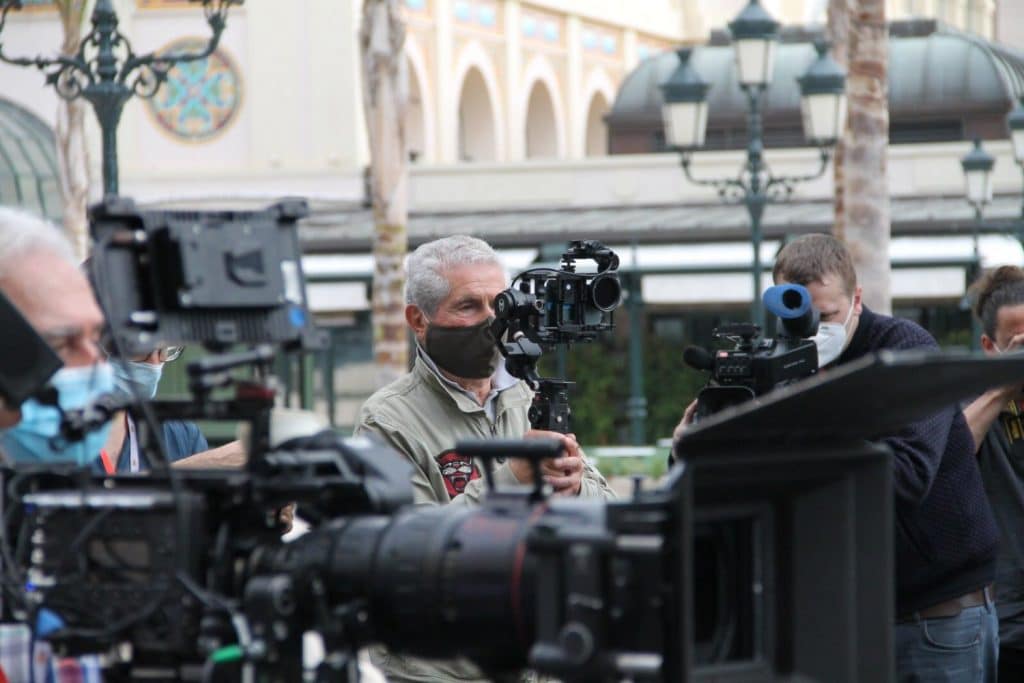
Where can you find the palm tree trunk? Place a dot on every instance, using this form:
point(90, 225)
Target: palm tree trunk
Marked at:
point(838, 30)
point(866, 218)
point(385, 100)
point(73, 166)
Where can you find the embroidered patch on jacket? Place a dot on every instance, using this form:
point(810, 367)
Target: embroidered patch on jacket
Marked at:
point(457, 470)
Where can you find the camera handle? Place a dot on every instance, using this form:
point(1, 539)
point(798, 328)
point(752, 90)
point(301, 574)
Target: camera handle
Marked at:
point(550, 410)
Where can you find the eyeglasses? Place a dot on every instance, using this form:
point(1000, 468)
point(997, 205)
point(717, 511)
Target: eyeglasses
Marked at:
point(165, 354)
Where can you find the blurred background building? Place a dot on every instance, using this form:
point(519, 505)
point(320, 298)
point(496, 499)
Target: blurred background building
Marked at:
point(532, 123)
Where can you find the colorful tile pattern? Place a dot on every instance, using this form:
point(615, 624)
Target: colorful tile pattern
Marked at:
point(200, 99)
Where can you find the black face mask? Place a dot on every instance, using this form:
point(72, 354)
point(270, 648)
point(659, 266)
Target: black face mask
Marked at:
point(469, 352)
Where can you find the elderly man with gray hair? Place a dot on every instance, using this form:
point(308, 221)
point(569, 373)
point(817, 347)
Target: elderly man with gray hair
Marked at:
point(458, 389)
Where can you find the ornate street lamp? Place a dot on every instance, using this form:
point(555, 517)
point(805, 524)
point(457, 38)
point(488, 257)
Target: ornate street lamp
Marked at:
point(107, 72)
point(686, 108)
point(823, 103)
point(977, 165)
point(823, 99)
point(755, 36)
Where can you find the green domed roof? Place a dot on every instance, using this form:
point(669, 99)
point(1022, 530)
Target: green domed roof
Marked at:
point(28, 162)
point(942, 83)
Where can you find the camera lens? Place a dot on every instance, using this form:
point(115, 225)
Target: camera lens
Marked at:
point(605, 292)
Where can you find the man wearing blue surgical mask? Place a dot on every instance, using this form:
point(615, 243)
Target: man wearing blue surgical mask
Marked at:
point(39, 275)
point(946, 627)
point(138, 379)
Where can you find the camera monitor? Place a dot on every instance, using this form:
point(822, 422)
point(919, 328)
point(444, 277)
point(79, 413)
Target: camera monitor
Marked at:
point(218, 278)
point(26, 360)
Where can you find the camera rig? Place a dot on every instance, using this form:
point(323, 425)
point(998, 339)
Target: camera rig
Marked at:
point(547, 307)
point(181, 575)
point(756, 365)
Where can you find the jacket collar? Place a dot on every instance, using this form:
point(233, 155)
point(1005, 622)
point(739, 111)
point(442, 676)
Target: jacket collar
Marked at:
point(511, 391)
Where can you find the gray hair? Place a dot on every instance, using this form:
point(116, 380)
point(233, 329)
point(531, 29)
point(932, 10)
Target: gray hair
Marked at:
point(426, 285)
point(23, 233)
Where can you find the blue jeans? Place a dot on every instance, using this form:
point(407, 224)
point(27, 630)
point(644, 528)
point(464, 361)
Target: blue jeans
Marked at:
point(960, 649)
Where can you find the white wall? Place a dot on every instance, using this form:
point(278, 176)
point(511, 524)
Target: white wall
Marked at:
point(624, 180)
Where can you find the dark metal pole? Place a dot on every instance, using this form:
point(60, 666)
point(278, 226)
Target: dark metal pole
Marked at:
point(755, 196)
point(1020, 223)
point(973, 277)
point(107, 96)
point(636, 405)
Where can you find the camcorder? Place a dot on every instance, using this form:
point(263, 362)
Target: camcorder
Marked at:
point(181, 575)
point(755, 365)
point(548, 307)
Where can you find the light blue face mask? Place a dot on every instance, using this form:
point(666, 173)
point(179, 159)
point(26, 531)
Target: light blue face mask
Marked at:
point(35, 440)
point(136, 379)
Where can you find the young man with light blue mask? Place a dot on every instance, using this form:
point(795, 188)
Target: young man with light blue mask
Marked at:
point(185, 446)
point(138, 379)
point(39, 275)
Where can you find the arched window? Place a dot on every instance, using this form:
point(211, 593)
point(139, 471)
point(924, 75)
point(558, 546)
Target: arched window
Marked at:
point(541, 126)
point(415, 124)
point(597, 131)
point(477, 137)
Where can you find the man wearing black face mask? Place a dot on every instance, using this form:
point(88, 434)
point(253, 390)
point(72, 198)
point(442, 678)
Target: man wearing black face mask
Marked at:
point(459, 389)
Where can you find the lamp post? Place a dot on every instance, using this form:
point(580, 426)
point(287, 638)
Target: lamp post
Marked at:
point(107, 72)
point(1015, 124)
point(823, 107)
point(977, 165)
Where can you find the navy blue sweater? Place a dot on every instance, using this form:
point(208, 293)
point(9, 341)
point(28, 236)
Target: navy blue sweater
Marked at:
point(945, 533)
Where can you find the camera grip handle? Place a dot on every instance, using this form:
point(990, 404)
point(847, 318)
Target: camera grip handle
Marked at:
point(534, 450)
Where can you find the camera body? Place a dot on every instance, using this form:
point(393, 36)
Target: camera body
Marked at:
point(563, 306)
point(755, 365)
point(549, 307)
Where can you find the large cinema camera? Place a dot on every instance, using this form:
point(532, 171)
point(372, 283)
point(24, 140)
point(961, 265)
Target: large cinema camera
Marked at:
point(755, 365)
point(547, 307)
point(181, 575)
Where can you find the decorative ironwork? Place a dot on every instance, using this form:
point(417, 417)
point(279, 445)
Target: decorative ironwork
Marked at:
point(107, 72)
point(754, 185)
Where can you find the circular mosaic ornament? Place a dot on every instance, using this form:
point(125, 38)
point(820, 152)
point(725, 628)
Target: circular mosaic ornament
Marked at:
point(200, 99)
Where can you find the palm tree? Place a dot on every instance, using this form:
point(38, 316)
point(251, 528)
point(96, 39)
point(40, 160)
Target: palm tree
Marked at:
point(385, 100)
point(862, 188)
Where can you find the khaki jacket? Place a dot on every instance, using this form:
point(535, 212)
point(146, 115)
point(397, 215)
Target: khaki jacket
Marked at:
point(422, 417)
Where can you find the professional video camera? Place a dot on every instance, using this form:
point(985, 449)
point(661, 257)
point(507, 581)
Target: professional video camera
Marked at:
point(546, 307)
point(181, 574)
point(755, 365)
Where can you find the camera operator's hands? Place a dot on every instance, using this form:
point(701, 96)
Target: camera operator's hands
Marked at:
point(564, 474)
point(687, 420)
point(227, 457)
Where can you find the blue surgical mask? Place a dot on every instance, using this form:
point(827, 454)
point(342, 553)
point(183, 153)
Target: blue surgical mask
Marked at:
point(136, 379)
point(35, 439)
